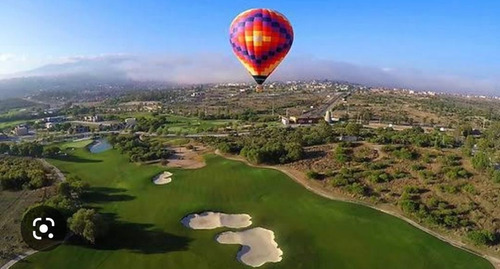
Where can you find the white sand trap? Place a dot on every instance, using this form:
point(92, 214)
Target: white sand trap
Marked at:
point(258, 246)
point(212, 220)
point(163, 178)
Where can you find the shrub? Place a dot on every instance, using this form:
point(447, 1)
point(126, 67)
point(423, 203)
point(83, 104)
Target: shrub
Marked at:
point(481, 237)
point(313, 175)
point(379, 177)
point(469, 188)
point(358, 188)
point(449, 189)
point(339, 182)
point(496, 176)
point(409, 206)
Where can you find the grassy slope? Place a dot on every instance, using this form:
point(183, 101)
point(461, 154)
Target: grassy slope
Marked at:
point(312, 231)
point(76, 144)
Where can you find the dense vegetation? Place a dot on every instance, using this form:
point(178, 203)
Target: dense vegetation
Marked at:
point(17, 173)
point(139, 150)
point(275, 145)
point(29, 149)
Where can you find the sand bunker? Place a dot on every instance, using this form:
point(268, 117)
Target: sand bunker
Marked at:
point(258, 246)
point(163, 178)
point(213, 220)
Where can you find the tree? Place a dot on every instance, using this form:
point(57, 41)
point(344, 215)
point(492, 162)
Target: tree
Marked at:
point(88, 224)
point(353, 128)
point(51, 151)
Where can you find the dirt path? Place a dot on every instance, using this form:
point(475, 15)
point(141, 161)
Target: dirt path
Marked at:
point(60, 176)
point(300, 178)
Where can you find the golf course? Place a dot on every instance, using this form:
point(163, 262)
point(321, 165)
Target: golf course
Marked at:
point(312, 231)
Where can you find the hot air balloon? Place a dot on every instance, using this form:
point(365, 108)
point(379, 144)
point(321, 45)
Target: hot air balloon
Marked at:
point(261, 38)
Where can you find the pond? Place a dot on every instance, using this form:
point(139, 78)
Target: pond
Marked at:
point(99, 146)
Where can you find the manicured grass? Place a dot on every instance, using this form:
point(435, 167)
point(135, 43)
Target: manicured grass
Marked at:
point(313, 232)
point(76, 144)
point(12, 124)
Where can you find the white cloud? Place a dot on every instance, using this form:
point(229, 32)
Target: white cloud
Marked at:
point(4, 57)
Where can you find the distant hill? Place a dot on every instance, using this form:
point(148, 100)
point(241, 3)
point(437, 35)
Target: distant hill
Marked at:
point(18, 87)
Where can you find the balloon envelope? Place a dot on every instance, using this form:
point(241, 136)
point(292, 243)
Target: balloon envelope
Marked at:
point(261, 38)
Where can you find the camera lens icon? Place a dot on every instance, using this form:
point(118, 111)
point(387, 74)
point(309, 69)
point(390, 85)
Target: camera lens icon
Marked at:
point(43, 228)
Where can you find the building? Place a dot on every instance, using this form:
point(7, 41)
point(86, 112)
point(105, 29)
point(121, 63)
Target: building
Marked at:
point(305, 120)
point(285, 121)
point(55, 119)
point(348, 138)
point(50, 125)
point(94, 118)
point(328, 116)
point(78, 129)
point(21, 130)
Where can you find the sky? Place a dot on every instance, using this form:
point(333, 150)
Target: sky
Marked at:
point(442, 44)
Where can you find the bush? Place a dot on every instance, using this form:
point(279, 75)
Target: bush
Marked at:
point(411, 190)
point(409, 206)
point(481, 237)
point(339, 182)
point(496, 176)
point(358, 188)
point(379, 177)
point(469, 188)
point(417, 167)
point(313, 175)
point(449, 189)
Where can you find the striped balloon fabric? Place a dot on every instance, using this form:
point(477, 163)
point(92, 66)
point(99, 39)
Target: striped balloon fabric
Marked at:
point(261, 38)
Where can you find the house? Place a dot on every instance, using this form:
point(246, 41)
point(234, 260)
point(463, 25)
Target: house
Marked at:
point(94, 118)
point(285, 121)
point(50, 125)
point(55, 119)
point(21, 130)
point(306, 120)
point(78, 129)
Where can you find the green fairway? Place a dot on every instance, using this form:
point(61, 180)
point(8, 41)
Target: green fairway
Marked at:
point(11, 124)
point(76, 144)
point(312, 231)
